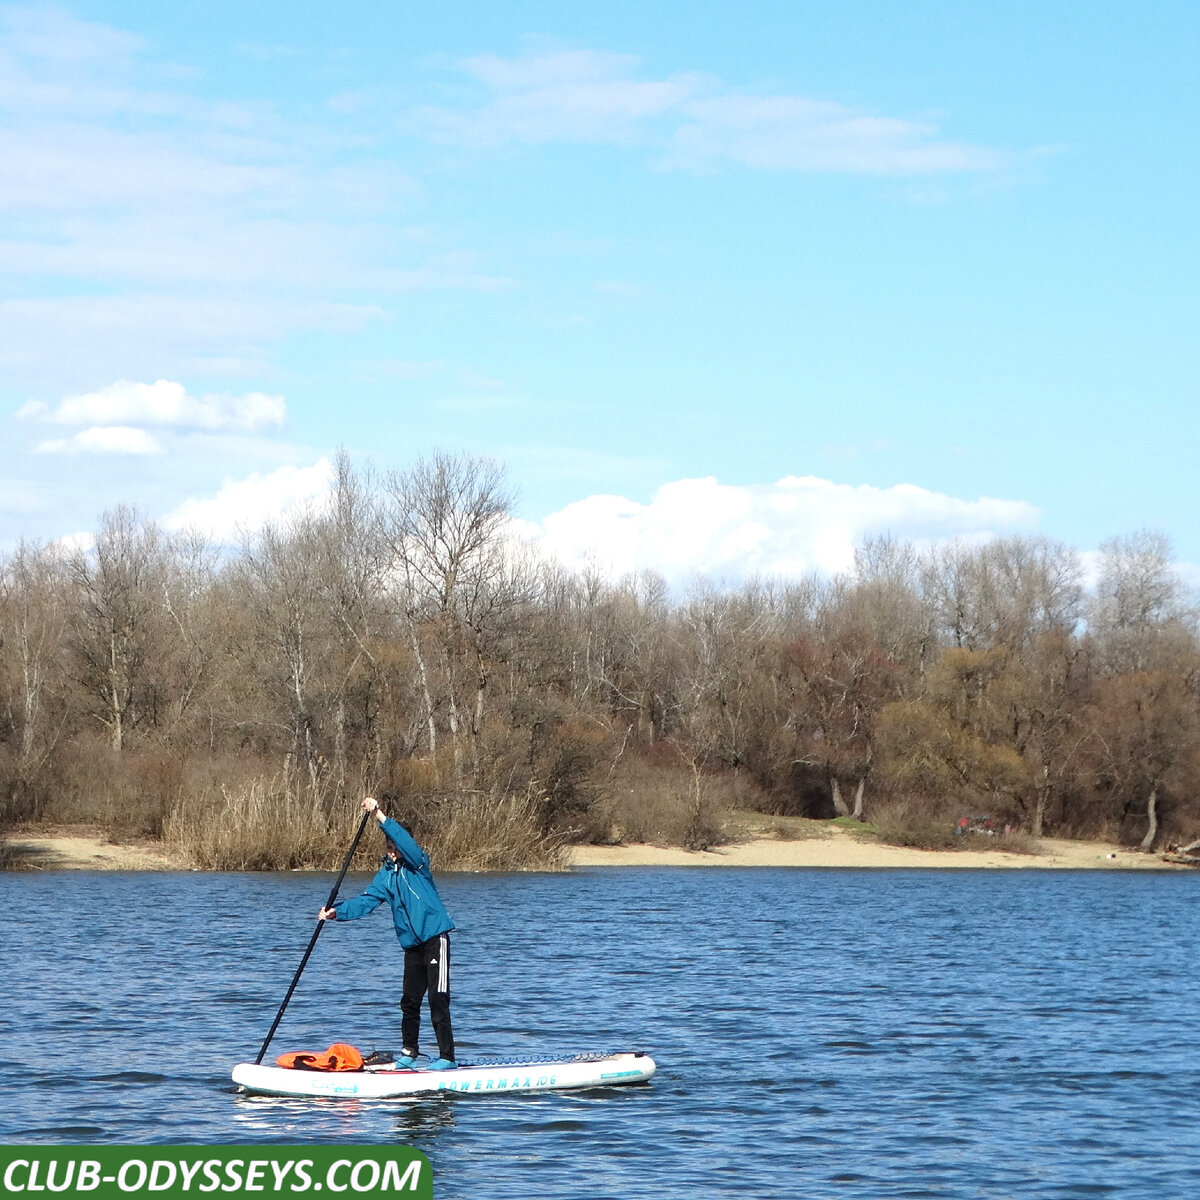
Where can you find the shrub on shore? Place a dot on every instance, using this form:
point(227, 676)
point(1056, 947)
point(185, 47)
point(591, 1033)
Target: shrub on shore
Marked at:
point(918, 827)
point(663, 803)
point(475, 832)
point(274, 826)
point(262, 826)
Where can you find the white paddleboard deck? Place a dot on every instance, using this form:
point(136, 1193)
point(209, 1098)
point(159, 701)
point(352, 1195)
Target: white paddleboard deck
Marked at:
point(494, 1078)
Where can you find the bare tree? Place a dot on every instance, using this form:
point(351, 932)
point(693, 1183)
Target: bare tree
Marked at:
point(192, 634)
point(351, 574)
point(884, 600)
point(280, 583)
point(1138, 612)
point(445, 525)
point(117, 599)
point(1005, 593)
point(726, 641)
point(634, 657)
point(36, 706)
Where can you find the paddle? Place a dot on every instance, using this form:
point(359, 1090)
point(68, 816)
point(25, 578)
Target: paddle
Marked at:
point(316, 934)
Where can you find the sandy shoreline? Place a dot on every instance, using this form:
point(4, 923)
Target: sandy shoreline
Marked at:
point(840, 848)
point(41, 850)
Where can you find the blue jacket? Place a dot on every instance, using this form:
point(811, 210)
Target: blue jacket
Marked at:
point(417, 910)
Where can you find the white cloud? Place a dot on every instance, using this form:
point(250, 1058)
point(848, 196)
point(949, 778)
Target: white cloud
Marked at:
point(800, 524)
point(163, 403)
point(105, 439)
point(72, 542)
point(555, 95)
point(397, 368)
point(244, 505)
point(561, 95)
point(548, 68)
point(790, 133)
point(150, 227)
point(67, 168)
point(45, 33)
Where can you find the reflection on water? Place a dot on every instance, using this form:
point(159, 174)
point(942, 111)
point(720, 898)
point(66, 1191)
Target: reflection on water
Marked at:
point(421, 1123)
point(818, 1033)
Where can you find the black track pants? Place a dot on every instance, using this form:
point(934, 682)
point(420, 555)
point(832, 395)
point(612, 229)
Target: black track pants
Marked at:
point(427, 968)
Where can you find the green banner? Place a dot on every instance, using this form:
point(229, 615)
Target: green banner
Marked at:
point(175, 1172)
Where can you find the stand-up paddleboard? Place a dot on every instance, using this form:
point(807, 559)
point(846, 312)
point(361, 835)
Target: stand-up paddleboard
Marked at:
point(482, 1078)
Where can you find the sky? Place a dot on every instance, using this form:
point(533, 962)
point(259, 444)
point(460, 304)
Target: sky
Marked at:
point(726, 288)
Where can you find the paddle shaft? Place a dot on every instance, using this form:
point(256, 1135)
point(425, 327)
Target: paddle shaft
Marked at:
point(313, 940)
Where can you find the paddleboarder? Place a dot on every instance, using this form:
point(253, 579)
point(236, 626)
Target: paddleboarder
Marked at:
point(422, 925)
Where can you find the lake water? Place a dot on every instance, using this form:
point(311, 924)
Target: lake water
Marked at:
point(818, 1033)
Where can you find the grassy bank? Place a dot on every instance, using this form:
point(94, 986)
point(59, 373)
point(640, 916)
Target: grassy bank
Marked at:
point(269, 826)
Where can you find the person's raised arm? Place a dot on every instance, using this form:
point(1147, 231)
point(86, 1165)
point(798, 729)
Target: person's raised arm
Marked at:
point(404, 841)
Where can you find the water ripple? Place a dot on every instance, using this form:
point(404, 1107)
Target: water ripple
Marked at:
point(819, 1033)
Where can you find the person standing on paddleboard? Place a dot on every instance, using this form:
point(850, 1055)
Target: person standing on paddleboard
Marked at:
point(423, 927)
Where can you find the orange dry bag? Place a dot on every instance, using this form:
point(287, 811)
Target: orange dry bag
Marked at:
point(339, 1057)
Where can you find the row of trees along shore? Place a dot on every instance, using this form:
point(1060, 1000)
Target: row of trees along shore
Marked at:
point(236, 704)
